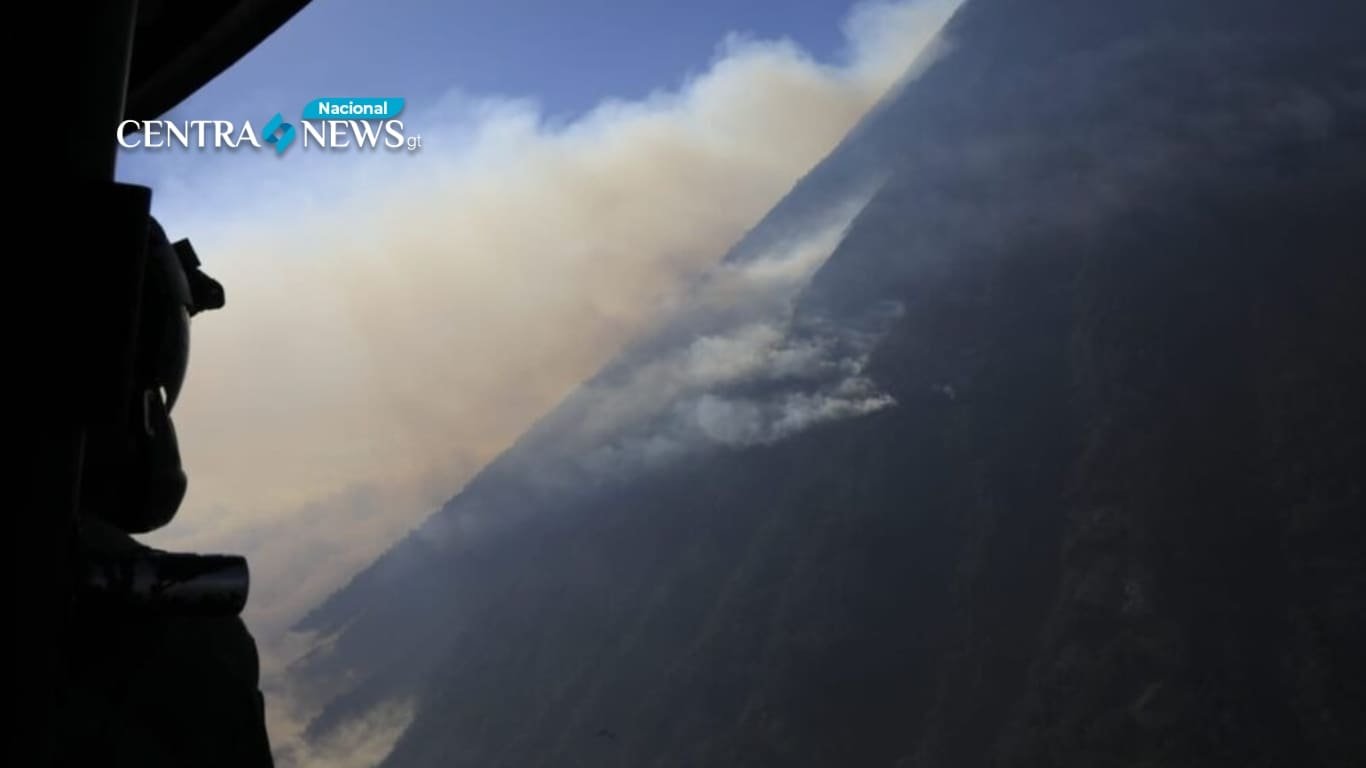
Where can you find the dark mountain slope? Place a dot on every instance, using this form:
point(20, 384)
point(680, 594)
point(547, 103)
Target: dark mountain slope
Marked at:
point(1114, 518)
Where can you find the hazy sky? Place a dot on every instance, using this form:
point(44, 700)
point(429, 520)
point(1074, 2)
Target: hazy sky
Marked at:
point(564, 58)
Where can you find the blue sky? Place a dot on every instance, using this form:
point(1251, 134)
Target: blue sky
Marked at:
point(565, 56)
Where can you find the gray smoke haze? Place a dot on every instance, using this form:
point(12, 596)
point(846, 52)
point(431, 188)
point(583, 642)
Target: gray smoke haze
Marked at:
point(397, 327)
point(730, 372)
point(378, 350)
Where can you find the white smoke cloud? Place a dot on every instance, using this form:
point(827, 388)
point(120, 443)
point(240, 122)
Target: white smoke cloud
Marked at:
point(360, 742)
point(742, 377)
point(398, 324)
point(379, 349)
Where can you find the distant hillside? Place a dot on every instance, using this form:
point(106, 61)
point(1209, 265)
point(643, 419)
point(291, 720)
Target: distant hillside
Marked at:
point(1056, 461)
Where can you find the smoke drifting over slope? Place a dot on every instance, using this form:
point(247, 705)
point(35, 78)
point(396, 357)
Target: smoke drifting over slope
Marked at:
point(1100, 251)
point(379, 350)
point(729, 371)
point(399, 325)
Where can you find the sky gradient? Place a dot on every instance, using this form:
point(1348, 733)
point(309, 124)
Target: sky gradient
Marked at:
point(565, 57)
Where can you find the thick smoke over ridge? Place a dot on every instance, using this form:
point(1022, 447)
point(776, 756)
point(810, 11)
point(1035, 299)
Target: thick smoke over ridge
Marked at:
point(731, 372)
point(738, 374)
point(379, 350)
